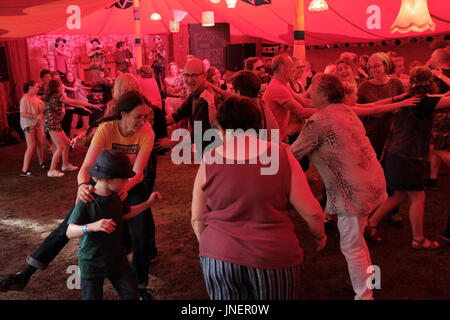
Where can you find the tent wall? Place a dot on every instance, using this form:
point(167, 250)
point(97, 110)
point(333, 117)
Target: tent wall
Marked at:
point(41, 49)
point(320, 58)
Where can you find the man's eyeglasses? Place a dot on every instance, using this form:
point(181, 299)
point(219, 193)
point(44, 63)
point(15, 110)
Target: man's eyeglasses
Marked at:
point(192, 75)
point(258, 68)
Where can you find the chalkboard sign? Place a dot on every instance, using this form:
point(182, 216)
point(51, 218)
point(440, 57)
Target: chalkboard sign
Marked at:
point(209, 42)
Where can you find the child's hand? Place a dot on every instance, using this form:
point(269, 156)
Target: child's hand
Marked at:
point(103, 225)
point(153, 197)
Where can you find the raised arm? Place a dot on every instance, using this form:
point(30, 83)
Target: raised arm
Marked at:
point(302, 100)
point(295, 107)
point(135, 210)
point(75, 102)
point(438, 73)
point(373, 109)
point(443, 104)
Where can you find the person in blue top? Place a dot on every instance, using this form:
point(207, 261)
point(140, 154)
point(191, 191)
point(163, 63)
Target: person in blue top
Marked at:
point(99, 225)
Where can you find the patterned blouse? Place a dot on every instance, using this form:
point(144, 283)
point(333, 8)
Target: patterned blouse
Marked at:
point(54, 113)
point(337, 145)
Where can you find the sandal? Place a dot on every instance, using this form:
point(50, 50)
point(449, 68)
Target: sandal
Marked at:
point(424, 244)
point(372, 232)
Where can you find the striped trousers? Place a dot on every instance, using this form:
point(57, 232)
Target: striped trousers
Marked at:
point(228, 281)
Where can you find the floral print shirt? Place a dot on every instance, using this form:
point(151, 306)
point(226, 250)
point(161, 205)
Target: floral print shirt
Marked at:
point(335, 141)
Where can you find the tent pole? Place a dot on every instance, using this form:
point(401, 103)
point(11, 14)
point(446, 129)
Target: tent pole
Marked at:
point(137, 33)
point(299, 30)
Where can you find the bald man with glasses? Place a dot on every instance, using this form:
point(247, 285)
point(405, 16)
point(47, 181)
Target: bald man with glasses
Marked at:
point(200, 105)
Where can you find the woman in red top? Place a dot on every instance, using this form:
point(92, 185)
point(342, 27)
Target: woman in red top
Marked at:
point(248, 248)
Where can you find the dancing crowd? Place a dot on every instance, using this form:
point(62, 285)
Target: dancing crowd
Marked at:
point(368, 128)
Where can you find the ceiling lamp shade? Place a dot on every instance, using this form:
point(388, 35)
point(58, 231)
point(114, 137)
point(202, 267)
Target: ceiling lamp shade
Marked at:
point(231, 3)
point(413, 16)
point(318, 5)
point(174, 26)
point(214, 1)
point(179, 15)
point(208, 18)
point(155, 16)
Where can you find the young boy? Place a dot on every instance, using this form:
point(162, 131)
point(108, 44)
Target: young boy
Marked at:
point(99, 225)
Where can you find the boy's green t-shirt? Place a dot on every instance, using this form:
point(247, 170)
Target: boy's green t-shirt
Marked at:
point(101, 254)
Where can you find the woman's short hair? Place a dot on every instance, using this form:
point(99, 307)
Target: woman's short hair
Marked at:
point(210, 73)
point(239, 113)
point(349, 56)
point(120, 44)
point(422, 81)
point(173, 63)
point(387, 61)
point(247, 83)
point(128, 101)
point(125, 82)
point(28, 85)
point(348, 63)
point(44, 72)
point(250, 62)
point(330, 85)
point(146, 72)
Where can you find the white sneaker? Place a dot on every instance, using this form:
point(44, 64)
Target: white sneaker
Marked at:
point(69, 167)
point(55, 174)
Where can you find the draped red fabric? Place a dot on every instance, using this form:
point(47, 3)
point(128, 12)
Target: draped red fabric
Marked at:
point(19, 68)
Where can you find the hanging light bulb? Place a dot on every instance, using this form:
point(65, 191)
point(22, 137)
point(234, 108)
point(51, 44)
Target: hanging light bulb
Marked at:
point(214, 1)
point(208, 18)
point(318, 5)
point(174, 26)
point(155, 16)
point(413, 16)
point(231, 3)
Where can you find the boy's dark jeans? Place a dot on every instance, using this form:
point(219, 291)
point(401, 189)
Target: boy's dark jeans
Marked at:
point(124, 283)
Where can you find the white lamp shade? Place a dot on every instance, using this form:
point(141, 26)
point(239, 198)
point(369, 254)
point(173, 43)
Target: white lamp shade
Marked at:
point(155, 16)
point(318, 5)
point(413, 16)
point(179, 15)
point(174, 26)
point(231, 3)
point(214, 1)
point(208, 18)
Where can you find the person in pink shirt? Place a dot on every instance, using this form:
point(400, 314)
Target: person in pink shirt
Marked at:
point(149, 86)
point(278, 95)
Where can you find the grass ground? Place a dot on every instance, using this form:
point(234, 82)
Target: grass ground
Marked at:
point(30, 207)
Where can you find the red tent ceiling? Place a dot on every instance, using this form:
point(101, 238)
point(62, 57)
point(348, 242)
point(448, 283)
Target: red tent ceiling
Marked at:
point(345, 21)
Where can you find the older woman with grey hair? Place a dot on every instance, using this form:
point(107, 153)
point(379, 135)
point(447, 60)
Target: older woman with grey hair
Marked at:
point(335, 141)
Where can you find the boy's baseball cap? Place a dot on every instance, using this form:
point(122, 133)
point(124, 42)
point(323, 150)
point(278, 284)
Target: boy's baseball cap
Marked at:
point(112, 164)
